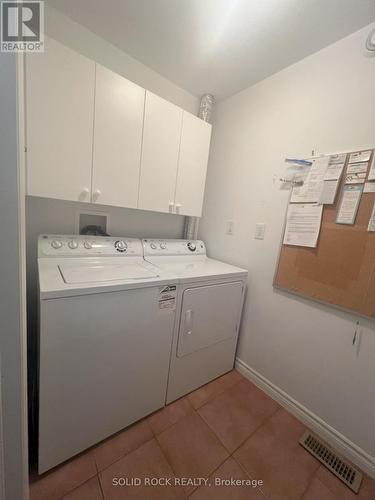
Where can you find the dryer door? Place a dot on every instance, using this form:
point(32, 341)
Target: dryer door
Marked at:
point(209, 315)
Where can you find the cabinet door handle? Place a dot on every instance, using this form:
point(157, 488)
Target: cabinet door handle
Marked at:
point(83, 194)
point(171, 207)
point(96, 194)
point(189, 322)
point(178, 206)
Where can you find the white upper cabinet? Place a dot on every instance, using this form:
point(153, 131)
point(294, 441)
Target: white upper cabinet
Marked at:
point(59, 123)
point(94, 136)
point(192, 165)
point(160, 149)
point(118, 123)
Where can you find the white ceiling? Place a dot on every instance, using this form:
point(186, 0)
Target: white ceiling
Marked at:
point(219, 46)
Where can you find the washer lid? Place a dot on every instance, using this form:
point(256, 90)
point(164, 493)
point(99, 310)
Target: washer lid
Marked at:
point(98, 272)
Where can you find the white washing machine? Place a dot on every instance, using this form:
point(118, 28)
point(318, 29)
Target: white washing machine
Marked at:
point(209, 305)
point(106, 325)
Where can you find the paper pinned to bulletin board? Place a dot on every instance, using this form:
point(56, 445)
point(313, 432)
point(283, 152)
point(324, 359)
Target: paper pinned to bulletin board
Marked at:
point(339, 268)
point(313, 180)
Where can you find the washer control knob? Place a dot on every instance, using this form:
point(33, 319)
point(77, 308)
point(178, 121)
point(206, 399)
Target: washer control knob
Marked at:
point(121, 246)
point(191, 246)
point(87, 245)
point(56, 244)
point(73, 244)
point(163, 246)
point(153, 246)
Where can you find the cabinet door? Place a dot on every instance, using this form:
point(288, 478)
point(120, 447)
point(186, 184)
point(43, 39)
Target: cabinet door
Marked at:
point(161, 142)
point(59, 123)
point(209, 314)
point(192, 165)
point(119, 108)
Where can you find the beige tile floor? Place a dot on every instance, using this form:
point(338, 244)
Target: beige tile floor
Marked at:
point(226, 429)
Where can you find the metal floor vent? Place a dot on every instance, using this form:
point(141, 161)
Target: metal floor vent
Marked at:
point(336, 464)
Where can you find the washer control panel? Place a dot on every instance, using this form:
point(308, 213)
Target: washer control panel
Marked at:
point(53, 245)
point(173, 247)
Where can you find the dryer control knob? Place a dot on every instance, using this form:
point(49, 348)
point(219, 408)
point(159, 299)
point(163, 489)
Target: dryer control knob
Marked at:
point(73, 245)
point(153, 246)
point(121, 246)
point(191, 246)
point(56, 244)
point(87, 245)
point(163, 246)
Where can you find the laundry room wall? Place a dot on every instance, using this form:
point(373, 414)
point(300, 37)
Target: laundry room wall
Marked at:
point(300, 349)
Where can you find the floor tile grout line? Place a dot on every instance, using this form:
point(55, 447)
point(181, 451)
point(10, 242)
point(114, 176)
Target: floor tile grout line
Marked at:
point(154, 436)
point(263, 424)
point(174, 423)
point(248, 475)
point(219, 393)
point(248, 437)
point(242, 467)
point(193, 409)
point(210, 474)
point(327, 486)
point(213, 433)
point(76, 488)
point(217, 436)
point(175, 472)
point(125, 455)
point(101, 486)
point(165, 456)
point(168, 462)
point(310, 482)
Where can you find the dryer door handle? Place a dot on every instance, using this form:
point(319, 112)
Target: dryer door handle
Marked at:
point(189, 322)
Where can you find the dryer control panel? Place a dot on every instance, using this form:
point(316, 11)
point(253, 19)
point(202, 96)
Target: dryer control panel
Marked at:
point(54, 245)
point(173, 247)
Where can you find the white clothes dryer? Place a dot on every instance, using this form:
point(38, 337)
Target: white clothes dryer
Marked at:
point(209, 305)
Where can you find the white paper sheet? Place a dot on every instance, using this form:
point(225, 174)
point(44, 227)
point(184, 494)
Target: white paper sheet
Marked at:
point(328, 194)
point(340, 158)
point(357, 168)
point(293, 174)
point(303, 225)
point(369, 187)
point(310, 191)
point(355, 178)
point(350, 199)
point(334, 171)
point(371, 223)
point(371, 174)
point(360, 156)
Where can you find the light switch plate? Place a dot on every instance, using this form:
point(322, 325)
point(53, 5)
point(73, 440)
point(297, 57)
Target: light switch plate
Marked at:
point(230, 227)
point(260, 229)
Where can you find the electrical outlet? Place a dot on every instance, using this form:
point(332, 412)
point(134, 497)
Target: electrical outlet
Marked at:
point(230, 227)
point(260, 229)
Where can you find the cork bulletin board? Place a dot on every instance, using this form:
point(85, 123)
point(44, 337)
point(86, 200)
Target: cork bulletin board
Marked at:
point(340, 270)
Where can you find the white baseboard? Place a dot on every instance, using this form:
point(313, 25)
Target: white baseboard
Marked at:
point(343, 445)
